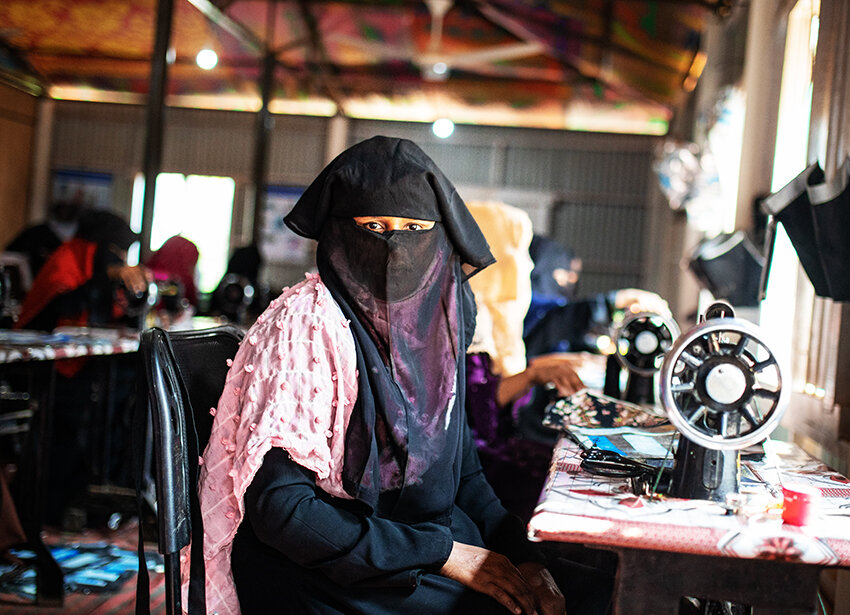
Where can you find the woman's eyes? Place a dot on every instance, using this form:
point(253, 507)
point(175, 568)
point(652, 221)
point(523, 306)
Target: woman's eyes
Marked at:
point(378, 226)
point(375, 226)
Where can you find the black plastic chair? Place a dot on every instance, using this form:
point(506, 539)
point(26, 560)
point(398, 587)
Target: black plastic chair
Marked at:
point(183, 375)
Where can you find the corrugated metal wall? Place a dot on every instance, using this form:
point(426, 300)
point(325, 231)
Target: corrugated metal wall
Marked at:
point(587, 190)
point(590, 191)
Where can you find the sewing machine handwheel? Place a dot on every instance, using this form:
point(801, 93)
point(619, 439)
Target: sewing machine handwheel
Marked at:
point(642, 340)
point(721, 385)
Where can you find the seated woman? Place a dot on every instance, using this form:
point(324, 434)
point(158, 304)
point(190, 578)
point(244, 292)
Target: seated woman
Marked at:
point(77, 283)
point(176, 261)
point(340, 476)
point(558, 321)
point(500, 381)
point(515, 465)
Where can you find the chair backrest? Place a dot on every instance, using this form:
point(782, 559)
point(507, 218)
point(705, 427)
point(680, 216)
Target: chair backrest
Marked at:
point(184, 375)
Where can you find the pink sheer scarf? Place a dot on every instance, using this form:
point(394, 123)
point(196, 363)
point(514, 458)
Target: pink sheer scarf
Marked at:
point(291, 385)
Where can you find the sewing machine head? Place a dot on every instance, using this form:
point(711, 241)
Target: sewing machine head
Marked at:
point(724, 390)
point(641, 341)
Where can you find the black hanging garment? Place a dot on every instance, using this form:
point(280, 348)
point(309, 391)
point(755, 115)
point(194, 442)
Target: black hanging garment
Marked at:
point(816, 216)
point(831, 210)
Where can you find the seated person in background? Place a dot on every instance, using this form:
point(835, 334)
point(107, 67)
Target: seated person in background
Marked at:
point(340, 476)
point(557, 320)
point(174, 269)
point(39, 241)
point(239, 295)
point(77, 283)
point(176, 261)
point(499, 379)
point(83, 284)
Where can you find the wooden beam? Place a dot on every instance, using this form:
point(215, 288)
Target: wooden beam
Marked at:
point(230, 25)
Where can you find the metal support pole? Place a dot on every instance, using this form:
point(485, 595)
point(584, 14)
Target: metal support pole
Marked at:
point(156, 103)
point(263, 128)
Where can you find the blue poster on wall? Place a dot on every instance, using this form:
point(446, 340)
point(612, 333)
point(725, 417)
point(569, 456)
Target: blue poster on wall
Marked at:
point(278, 243)
point(85, 188)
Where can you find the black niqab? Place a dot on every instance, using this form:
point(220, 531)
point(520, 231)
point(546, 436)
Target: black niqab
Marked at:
point(411, 313)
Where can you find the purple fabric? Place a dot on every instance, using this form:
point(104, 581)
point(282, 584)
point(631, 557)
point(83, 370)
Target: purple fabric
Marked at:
point(514, 466)
point(402, 289)
point(486, 418)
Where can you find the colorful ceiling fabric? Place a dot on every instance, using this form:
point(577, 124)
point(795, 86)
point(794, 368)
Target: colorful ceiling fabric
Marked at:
point(621, 65)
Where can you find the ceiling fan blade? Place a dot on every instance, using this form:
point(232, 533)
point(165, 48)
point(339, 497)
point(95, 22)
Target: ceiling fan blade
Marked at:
point(378, 50)
point(488, 55)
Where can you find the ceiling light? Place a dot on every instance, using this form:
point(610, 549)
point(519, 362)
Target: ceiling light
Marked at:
point(440, 68)
point(207, 59)
point(443, 127)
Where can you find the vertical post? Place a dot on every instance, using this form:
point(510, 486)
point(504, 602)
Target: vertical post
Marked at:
point(40, 187)
point(762, 82)
point(337, 139)
point(263, 128)
point(154, 124)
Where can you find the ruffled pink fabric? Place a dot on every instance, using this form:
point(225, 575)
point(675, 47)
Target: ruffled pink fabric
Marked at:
point(291, 385)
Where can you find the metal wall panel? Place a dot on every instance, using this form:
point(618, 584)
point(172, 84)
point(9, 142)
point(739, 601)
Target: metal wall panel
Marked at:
point(208, 143)
point(108, 138)
point(610, 239)
point(463, 164)
point(296, 150)
point(589, 191)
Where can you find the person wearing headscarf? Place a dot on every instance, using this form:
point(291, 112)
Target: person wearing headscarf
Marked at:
point(560, 321)
point(553, 283)
point(76, 285)
point(39, 241)
point(240, 294)
point(340, 476)
point(500, 382)
point(176, 261)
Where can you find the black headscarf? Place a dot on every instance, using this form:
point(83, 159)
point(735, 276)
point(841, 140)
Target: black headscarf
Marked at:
point(246, 261)
point(412, 316)
point(548, 256)
point(105, 228)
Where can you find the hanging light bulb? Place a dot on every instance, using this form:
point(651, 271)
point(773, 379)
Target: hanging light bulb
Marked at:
point(443, 127)
point(207, 59)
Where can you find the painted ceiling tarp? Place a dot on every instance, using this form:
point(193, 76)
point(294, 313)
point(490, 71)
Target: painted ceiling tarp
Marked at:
point(617, 65)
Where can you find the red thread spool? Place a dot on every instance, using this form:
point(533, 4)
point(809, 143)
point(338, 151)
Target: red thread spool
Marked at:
point(800, 504)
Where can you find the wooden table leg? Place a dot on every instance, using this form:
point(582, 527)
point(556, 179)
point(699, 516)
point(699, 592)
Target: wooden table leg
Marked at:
point(652, 583)
point(31, 482)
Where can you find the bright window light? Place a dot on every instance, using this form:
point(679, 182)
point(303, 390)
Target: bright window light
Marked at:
point(197, 207)
point(795, 102)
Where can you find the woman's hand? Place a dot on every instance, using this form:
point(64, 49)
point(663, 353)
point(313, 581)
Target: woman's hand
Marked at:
point(547, 596)
point(492, 574)
point(636, 300)
point(556, 369)
point(135, 279)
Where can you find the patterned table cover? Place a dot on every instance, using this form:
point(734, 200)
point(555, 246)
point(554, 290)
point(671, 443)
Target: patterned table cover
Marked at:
point(576, 506)
point(24, 345)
